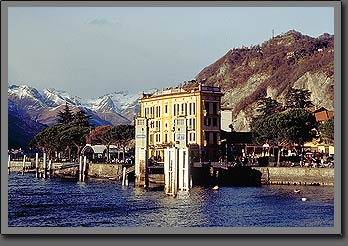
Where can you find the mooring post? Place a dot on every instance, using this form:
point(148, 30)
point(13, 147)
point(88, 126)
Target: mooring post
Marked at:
point(124, 176)
point(8, 164)
point(37, 165)
point(50, 168)
point(23, 164)
point(126, 180)
point(84, 168)
point(44, 166)
point(80, 168)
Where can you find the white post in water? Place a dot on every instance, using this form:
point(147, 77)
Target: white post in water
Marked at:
point(124, 176)
point(44, 166)
point(170, 171)
point(49, 168)
point(80, 168)
point(8, 164)
point(184, 170)
point(23, 164)
point(84, 168)
point(37, 164)
point(126, 180)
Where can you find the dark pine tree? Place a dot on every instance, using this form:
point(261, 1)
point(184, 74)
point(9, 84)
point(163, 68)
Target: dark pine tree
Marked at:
point(81, 118)
point(66, 116)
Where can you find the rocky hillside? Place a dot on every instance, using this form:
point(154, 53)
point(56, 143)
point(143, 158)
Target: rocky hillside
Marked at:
point(269, 70)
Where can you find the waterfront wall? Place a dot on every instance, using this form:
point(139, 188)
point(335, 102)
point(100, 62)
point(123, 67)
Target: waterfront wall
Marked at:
point(17, 166)
point(296, 176)
point(101, 170)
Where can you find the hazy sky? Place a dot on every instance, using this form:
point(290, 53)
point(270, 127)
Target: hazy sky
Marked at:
point(91, 51)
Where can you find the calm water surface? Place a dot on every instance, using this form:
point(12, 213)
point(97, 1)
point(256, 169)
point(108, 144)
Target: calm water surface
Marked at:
point(60, 203)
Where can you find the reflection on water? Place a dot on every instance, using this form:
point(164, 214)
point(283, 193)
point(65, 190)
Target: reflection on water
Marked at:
point(96, 203)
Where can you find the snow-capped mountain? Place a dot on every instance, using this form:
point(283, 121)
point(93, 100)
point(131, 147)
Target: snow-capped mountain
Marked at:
point(57, 97)
point(43, 106)
point(103, 104)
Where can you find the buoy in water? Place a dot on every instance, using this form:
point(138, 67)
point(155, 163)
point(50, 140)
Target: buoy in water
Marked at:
point(296, 191)
point(216, 187)
point(304, 199)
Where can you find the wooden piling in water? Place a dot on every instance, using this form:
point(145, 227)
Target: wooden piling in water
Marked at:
point(37, 165)
point(23, 168)
point(80, 168)
point(50, 168)
point(84, 168)
point(124, 176)
point(44, 166)
point(8, 164)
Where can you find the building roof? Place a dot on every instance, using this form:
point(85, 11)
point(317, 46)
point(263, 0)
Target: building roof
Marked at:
point(99, 148)
point(182, 90)
point(323, 115)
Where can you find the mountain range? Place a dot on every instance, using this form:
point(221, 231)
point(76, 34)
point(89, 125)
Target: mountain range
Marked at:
point(245, 75)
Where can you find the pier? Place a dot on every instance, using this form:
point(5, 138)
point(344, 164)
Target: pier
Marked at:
point(175, 173)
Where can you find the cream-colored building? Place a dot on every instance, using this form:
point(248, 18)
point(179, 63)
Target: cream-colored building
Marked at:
point(182, 117)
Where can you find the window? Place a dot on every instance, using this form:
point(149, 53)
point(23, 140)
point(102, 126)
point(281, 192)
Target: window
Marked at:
point(206, 107)
point(207, 121)
point(158, 138)
point(192, 137)
point(174, 107)
point(166, 138)
point(215, 108)
point(207, 136)
point(193, 108)
point(166, 109)
point(190, 109)
point(141, 122)
point(214, 121)
point(193, 124)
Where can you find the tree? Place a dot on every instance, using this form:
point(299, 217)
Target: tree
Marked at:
point(326, 130)
point(66, 116)
point(294, 126)
point(123, 134)
point(73, 137)
point(298, 98)
point(81, 119)
point(267, 106)
point(47, 139)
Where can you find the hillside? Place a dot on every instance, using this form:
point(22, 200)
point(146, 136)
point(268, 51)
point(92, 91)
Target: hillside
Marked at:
point(21, 129)
point(289, 60)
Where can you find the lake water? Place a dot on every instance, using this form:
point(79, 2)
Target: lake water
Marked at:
point(102, 203)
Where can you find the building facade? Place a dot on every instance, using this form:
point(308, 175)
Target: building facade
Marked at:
point(181, 117)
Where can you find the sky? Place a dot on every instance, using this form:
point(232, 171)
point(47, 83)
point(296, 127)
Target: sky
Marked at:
point(93, 51)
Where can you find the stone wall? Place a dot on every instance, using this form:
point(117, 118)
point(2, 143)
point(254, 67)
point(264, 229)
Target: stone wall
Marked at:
point(111, 171)
point(296, 176)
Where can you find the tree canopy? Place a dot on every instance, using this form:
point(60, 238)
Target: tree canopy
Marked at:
point(69, 134)
point(267, 106)
point(293, 126)
point(66, 116)
point(326, 130)
point(298, 98)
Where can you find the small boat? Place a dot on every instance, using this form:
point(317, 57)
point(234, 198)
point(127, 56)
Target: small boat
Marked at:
point(304, 199)
point(216, 187)
point(297, 191)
